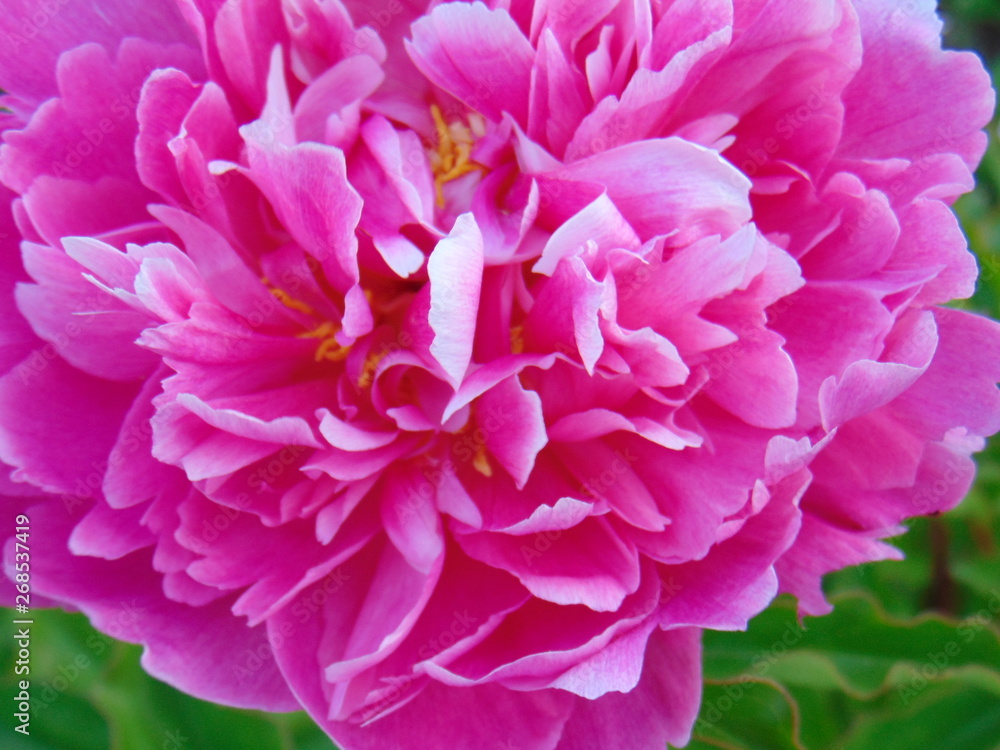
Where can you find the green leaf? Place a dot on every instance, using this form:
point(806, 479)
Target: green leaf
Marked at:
point(847, 673)
point(145, 713)
point(76, 726)
point(749, 714)
point(854, 649)
point(947, 715)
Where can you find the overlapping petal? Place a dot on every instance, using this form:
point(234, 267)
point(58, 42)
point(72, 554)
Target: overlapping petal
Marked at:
point(473, 357)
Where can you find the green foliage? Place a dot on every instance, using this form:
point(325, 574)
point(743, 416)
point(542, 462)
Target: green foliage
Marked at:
point(837, 681)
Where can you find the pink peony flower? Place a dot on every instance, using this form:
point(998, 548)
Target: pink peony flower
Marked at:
point(446, 368)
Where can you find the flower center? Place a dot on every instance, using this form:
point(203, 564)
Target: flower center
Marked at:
point(481, 458)
point(369, 368)
point(329, 348)
point(453, 158)
point(517, 340)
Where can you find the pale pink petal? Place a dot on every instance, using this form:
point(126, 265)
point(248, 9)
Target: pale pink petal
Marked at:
point(455, 270)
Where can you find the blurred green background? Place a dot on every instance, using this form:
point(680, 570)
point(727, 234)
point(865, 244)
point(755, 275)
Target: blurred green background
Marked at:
point(909, 659)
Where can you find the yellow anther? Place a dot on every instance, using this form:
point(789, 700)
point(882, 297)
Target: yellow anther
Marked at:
point(444, 135)
point(461, 166)
point(371, 365)
point(481, 462)
point(329, 348)
point(469, 433)
point(453, 158)
point(324, 330)
point(290, 302)
point(517, 340)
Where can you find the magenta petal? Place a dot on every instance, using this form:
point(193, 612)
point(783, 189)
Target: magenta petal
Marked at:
point(351, 437)
point(484, 720)
point(559, 96)
point(324, 224)
point(821, 548)
point(443, 368)
point(766, 397)
point(381, 623)
point(881, 95)
point(223, 271)
point(540, 718)
point(68, 208)
point(968, 361)
point(569, 574)
point(193, 648)
point(496, 58)
point(89, 327)
point(809, 333)
point(515, 427)
point(400, 155)
point(564, 316)
point(617, 668)
point(167, 97)
point(487, 376)
point(37, 46)
point(655, 183)
point(212, 442)
point(566, 656)
point(867, 385)
point(87, 133)
point(133, 475)
point(412, 522)
point(565, 514)
point(671, 677)
point(707, 597)
point(341, 86)
point(600, 223)
point(87, 413)
point(246, 34)
point(110, 534)
point(16, 337)
point(280, 431)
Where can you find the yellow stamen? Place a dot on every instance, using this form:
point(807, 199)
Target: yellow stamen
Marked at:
point(329, 348)
point(290, 302)
point(453, 158)
point(481, 462)
point(371, 365)
point(444, 135)
point(517, 340)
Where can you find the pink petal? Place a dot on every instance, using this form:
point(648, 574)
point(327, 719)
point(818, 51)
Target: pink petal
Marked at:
point(664, 185)
point(515, 427)
point(496, 58)
point(455, 269)
point(37, 46)
point(563, 570)
point(195, 649)
point(662, 708)
point(822, 547)
point(85, 411)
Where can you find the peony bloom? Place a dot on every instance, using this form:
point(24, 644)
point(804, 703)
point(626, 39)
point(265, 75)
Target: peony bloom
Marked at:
point(445, 368)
